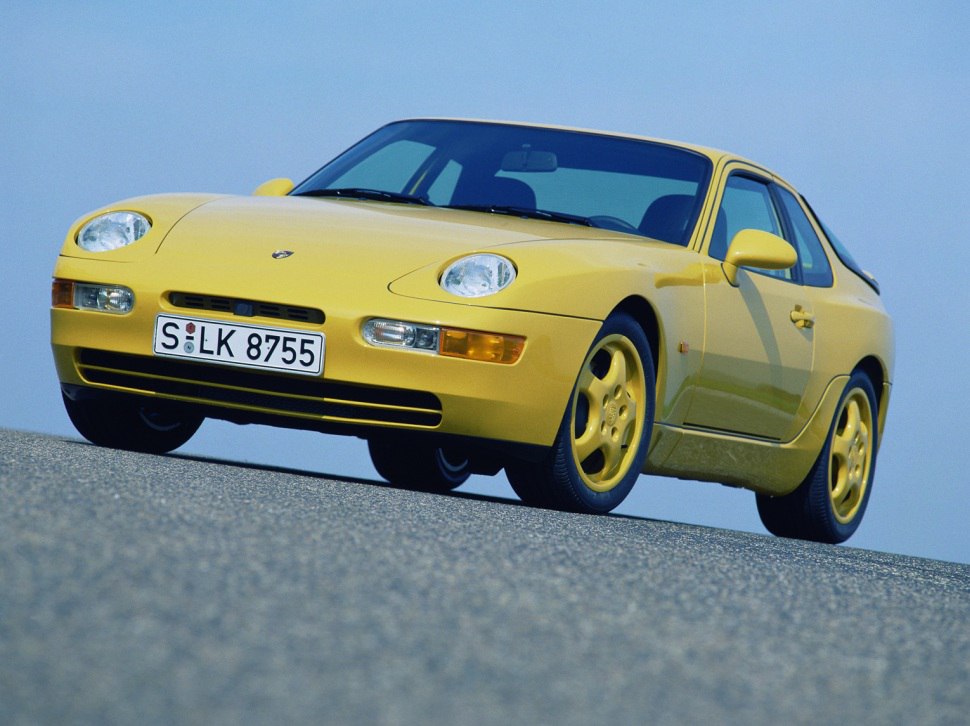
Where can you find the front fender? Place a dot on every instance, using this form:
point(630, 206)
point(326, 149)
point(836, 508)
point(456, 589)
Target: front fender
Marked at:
point(575, 278)
point(589, 279)
point(163, 212)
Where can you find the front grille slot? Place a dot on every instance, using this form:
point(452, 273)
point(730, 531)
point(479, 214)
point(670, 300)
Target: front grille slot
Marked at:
point(246, 308)
point(275, 393)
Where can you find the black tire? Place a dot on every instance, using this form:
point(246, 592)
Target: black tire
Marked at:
point(604, 436)
point(829, 504)
point(415, 465)
point(127, 423)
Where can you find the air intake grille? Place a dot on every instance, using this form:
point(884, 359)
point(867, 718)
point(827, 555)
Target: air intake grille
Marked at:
point(246, 308)
point(267, 392)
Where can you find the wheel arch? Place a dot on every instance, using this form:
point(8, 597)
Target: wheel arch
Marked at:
point(644, 314)
point(875, 371)
point(646, 317)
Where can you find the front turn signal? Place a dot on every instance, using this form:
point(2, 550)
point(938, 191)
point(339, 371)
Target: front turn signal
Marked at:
point(62, 294)
point(474, 345)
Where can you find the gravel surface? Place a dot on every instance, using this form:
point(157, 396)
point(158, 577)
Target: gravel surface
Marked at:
point(140, 589)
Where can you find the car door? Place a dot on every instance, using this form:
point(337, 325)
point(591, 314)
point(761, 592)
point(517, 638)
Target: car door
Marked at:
point(759, 338)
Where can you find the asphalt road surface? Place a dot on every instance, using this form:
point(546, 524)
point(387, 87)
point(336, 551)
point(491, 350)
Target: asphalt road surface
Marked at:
point(143, 589)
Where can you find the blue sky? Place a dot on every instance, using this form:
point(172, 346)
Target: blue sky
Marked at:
point(863, 106)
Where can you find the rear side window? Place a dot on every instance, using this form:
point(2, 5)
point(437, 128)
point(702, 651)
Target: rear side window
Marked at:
point(842, 252)
point(847, 259)
point(816, 270)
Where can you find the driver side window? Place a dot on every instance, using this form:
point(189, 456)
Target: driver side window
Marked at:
point(746, 204)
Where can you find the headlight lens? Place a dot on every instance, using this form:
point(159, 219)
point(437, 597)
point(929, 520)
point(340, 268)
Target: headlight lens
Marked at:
point(478, 275)
point(112, 231)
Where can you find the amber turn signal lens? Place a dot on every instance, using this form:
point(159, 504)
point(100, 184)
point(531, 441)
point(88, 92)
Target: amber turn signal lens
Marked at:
point(62, 294)
point(473, 345)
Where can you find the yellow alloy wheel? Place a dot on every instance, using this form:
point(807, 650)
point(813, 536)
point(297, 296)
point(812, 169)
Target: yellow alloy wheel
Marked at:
point(829, 504)
point(603, 439)
point(852, 453)
point(608, 412)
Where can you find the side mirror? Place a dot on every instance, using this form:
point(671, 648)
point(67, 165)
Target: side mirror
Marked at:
point(755, 248)
point(274, 188)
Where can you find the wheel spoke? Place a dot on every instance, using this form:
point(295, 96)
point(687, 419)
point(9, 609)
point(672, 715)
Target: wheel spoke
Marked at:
point(613, 454)
point(859, 458)
point(616, 375)
point(853, 418)
point(863, 439)
point(588, 442)
point(841, 484)
point(594, 388)
point(844, 440)
point(842, 448)
point(853, 484)
point(628, 409)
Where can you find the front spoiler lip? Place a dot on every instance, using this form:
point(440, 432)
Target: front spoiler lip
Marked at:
point(487, 450)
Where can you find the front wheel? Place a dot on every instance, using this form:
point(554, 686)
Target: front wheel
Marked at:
point(123, 423)
point(828, 506)
point(411, 464)
point(602, 443)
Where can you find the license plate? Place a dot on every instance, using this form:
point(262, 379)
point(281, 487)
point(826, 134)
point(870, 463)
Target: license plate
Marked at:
point(249, 346)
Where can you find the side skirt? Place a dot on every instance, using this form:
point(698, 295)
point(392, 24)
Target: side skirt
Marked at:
point(763, 466)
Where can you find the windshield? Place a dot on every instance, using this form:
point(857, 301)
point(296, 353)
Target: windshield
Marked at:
point(632, 186)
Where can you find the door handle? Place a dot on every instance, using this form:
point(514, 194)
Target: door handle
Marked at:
point(802, 318)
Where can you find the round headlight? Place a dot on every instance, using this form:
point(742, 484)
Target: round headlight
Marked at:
point(478, 275)
point(112, 231)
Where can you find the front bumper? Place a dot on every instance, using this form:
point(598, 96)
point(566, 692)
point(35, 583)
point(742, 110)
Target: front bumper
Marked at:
point(362, 387)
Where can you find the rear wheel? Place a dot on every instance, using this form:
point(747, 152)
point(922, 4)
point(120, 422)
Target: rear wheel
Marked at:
point(602, 442)
point(829, 505)
point(123, 423)
point(411, 464)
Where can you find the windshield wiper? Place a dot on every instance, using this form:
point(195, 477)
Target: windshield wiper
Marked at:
point(525, 212)
point(377, 195)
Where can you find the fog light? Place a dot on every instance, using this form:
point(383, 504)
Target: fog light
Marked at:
point(400, 334)
point(451, 342)
point(105, 298)
point(102, 298)
point(115, 299)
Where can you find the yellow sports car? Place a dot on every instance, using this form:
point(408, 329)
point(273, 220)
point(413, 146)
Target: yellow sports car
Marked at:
point(572, 306)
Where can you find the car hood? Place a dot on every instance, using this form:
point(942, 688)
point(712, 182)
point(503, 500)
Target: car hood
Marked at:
point(345, 250)
point(357, 239)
